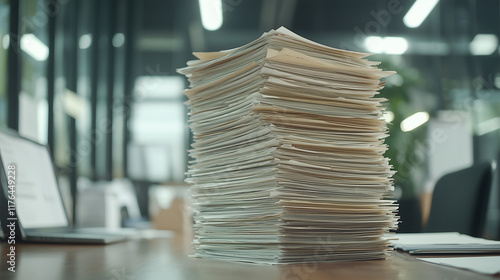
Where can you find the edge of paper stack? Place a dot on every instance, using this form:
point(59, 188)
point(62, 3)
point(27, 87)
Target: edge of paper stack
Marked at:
point(288, 161)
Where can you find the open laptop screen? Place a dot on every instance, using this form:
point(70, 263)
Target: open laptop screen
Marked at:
point(38, 201)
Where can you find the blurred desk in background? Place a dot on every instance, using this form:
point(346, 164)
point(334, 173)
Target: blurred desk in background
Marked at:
point(167, 258)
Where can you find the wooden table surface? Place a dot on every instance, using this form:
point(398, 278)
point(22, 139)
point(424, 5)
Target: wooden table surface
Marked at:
point(167, 259)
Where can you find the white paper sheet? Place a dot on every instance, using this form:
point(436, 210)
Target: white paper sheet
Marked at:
point(443, 242)
point(487, 265)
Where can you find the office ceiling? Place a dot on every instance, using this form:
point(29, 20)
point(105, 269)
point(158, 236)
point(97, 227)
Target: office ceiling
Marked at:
point(170, 30)
point(321, 18)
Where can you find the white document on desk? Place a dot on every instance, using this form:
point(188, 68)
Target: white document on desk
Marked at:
point(443, 243)
point(487, 265)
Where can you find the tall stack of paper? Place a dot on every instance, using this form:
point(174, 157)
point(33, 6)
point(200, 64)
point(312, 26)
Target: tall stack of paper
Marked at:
point(288, 153)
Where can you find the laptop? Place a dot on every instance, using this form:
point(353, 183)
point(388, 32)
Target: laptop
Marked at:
point(31, 205)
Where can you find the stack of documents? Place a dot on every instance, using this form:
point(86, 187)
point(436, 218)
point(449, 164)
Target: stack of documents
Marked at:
point(443, 243)
point(288, 161)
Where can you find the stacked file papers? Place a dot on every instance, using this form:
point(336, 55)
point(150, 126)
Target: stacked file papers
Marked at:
point(444, 243)
point(288, 155)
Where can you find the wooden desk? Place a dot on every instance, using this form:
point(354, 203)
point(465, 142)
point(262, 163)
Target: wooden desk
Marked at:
point(167, 259)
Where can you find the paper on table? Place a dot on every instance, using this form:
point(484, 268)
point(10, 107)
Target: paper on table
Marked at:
point(439, 238)
point(488, 265)
point(443, 242)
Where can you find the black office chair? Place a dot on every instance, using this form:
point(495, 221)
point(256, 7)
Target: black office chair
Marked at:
point(460, 200)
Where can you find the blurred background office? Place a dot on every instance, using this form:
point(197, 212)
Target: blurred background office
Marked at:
point(96, 81)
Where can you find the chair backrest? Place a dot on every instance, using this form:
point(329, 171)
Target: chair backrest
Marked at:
point(460, 200)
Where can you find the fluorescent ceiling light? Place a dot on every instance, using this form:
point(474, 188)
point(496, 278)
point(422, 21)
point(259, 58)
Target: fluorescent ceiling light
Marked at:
point(374, 44)
point(211, 14)
point(497, 80)
point(73, 104)
point(414, 121)
point(160, 87)
point(488, 126)
point(388, 116)
point(118, 40)
point(395, 45)
point(419, 12)
point(6, 41)
point(34, 47)
point(388, 45)
point(483, 44)
point(85, 41)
